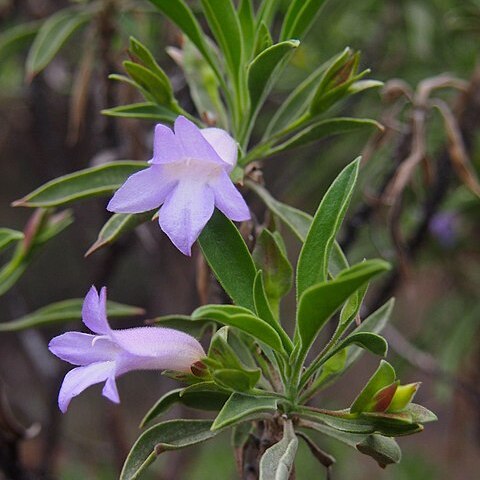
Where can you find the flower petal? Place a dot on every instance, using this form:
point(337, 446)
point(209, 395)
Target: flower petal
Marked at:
point(194, 145)
point(166, 148)
point(229, 200)
point(156, 348)
point(143, 191)
point(94, 311)
point(225, 146)
point(185, 212)
point(110, 389)
point(81, 349)
point(80, 378)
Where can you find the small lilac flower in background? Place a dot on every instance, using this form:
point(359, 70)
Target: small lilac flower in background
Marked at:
point(444, 227)
point(110, 353)
point(189, 175)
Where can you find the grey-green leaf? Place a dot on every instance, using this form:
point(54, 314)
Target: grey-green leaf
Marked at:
point(277, 462)
point(143, 111)
point(9, 236)
point(319, 302)
point(314, 257)
point(264, 70)
point(65, 311)
point(170, 435)
point(51, 37)
point(117, 225)
point(240, 407)
point(229, 258)
point(88, 183)
point(300, 16)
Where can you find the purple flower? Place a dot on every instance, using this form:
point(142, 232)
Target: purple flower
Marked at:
point(111, 353)
point(189, 175)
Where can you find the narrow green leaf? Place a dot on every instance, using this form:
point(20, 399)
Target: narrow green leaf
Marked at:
point(209, 400)
point(265, 313)
point(338, 421)
point(229, 258)
point(266, 12)
point(318, 303)
point(88, 183)
point(264, 70)
point(325, 128)
point(296, 103)
point(277, 270)
point(300, 16)
point(299, 223)
point(9, 236)
point(277, 462)
point(117, 225)
point(246, 322)
point(382, 449)
point(383, 376)
point(236, 380)
point(223, 21)
point(158, 89)
point(263, 40)
point(420, 414)
point(145, 56)
point(170, 435)
point(17, 37)
point(247, 24)
point(143, 111)
point(365, 340)
point(180, 14)
point(240, 407)
point(65, 311)
point(314, 257)
point(362, 85)
point(53, 34)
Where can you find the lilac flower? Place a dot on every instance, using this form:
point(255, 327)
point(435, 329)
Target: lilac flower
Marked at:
point(189, 175)
point(111, 353)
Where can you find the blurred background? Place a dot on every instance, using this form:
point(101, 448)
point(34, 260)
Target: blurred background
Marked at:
point(51, 125)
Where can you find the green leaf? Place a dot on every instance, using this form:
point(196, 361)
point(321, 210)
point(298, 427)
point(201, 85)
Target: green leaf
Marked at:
point(145, 56)
point(41, 227)
point(351, 308)
point(156, 87)
point(277, 271)
point(244, 321)
point(263, 39)
point(170, 435)
point(300, 16)
point(144, 111)
point(65, 311)
point(236, 380)
point(277, 462)
point(208, 399)
point(296, 103)
point(180, 14)
point(375, 323)
point(9, 236)
point(318, 303)
point(299, 223)
point(338, 421)
point(264, 70)
point(117, 225)
point(202, 82)
point(53, 34)
point(88, 183)
point(325, 128)
point(420, 414)
point(17, 37)
point(223, 21)
point(314, 257)
point(240, 408)
point(383, 376)
point(247, 24)
point(382, 449)
point(229, 258)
